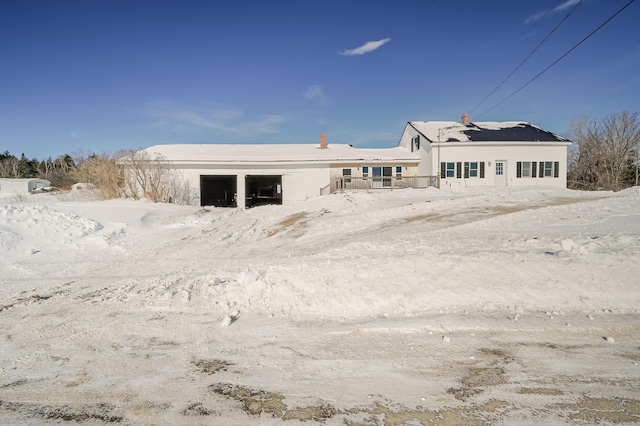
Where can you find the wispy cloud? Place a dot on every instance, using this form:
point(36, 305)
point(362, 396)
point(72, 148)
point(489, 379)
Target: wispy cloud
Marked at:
point(369, 46)
point(561, 7)
point(229, 121)
point(315, 93)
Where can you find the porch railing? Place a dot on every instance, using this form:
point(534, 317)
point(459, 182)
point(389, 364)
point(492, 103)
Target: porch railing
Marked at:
point(370, 183)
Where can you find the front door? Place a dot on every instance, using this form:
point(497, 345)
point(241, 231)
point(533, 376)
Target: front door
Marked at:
point(500, 173)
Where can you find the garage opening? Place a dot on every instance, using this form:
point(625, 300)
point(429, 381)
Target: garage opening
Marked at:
point(262, 190)
point(218, 191)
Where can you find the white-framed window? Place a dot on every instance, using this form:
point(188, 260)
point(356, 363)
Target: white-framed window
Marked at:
point(499, 168)
point(526, 169)
point(398, 172)
point(346, 174)
point(548, 169)
point(473, 169)
point(365, 171)
point(451, 170)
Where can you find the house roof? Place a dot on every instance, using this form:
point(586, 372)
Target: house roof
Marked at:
point(272, 153)
point(488, 131)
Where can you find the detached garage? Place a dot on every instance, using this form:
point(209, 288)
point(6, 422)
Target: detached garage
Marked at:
point(252, 175)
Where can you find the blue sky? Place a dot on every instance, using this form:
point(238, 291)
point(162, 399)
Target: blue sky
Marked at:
point(99, 76)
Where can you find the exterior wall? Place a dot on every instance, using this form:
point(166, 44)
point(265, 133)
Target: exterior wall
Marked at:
point(425, 167)
point(510, 153)
point(299, 182)
point(22, 185)
point(408, 169)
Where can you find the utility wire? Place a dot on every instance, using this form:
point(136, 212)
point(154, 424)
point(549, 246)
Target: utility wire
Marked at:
point(559, 59)
point(527, 58)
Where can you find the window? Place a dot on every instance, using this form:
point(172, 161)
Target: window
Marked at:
point(473, 169)
point(548, 169)
point(451, 170)
point(346, 174)
point(398, 172)
point(525, 169)
point(448, 170)
point(365, 172)
point(470, 169)
point(387, 172)
point(499, 168)
point(415, 143)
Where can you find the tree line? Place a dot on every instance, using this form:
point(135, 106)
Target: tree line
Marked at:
point(133, 174)
point(605, 154)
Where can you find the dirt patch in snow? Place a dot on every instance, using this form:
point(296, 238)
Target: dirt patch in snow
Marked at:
point(211, 366)
point(289, 222)
point(66, 413)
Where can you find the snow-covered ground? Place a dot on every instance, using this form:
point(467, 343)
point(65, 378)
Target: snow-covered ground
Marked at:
point(474, 306)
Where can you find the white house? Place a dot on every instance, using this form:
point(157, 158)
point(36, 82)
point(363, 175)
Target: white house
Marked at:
point(22, 185)
point(248, 175)
point(487, 153)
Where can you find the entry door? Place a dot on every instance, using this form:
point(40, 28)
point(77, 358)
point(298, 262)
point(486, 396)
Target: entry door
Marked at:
point(500, 173)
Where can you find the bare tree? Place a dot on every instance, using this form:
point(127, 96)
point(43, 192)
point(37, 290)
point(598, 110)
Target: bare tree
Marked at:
point(102, 171)
point(149, 175)
point(605, 152)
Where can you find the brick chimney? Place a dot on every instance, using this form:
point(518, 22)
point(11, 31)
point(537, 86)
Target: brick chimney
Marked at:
point(465, 119)
point(323, 141)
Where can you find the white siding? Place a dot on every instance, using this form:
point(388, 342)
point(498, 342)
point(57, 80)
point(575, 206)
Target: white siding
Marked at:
point(298, 182)
point(425, 167)
point(508, 152)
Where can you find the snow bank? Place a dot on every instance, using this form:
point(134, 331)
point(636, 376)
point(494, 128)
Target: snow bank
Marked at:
point(400, 253)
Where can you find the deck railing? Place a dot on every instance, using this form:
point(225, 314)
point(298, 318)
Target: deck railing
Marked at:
point(370, 183)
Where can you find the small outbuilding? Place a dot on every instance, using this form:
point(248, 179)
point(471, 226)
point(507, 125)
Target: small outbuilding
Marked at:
point(465, 153)
point(22, 186)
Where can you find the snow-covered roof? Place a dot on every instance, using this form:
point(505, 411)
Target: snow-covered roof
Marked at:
point(487, 131)
point(23, 180)
point(269, 153)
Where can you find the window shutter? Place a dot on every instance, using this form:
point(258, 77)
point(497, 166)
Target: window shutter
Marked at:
point(519, 169)
point(458, 169)
point(466, 170)
point(443, 170)
point(556, 169)
point(541, 174)
point(534, 168)
point(482, 170)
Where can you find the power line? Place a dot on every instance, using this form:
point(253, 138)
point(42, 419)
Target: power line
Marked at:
point(559, 59)
point(527, 58)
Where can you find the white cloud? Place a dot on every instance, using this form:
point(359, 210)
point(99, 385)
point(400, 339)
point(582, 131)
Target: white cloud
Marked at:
point(369, 46)
point(566, 5)
point(230, 121)
point(315, 93)
point(561, 7)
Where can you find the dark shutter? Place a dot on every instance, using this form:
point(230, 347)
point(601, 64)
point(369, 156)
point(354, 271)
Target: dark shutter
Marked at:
point(534, 168)
point(443, 170)
point(466, 170)
point(519, 169)
point(556, 169)
point(458, 169)
point(482, 170)
point(541, 174)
